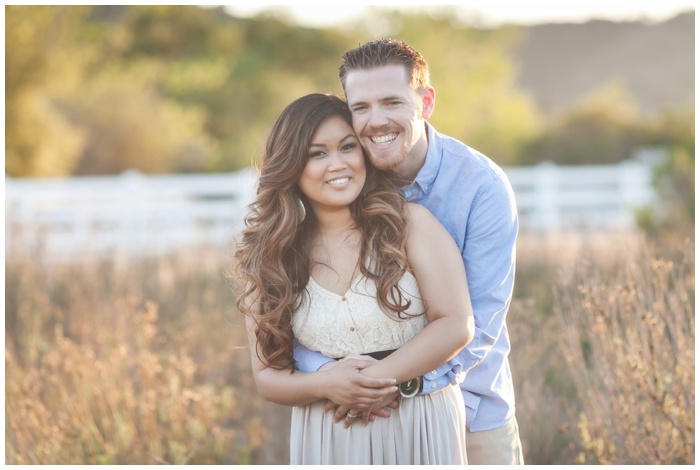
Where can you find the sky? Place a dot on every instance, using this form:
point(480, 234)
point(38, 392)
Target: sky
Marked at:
point(489, 13)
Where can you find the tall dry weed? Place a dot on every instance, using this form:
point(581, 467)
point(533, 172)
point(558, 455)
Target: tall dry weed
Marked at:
point(545, 393)
point(138, 361)
point(629, 340)
point(130, 362)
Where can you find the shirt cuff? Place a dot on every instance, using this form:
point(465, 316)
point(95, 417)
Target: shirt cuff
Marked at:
point(435, 380)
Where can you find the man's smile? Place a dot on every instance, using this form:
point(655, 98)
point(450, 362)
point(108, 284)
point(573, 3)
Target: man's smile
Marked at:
point(384, 139)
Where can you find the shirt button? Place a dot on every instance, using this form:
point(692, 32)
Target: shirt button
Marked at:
point(342, 299)
point(434, 372)
point(352, 328)
point(434, 386)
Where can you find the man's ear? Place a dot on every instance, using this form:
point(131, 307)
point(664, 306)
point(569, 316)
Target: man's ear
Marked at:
point(428, 102)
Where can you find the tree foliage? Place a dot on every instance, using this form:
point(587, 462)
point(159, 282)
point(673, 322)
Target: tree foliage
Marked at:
point(40, 139)
point(159, 88)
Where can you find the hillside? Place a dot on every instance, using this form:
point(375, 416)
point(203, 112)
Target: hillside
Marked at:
point(559, 63)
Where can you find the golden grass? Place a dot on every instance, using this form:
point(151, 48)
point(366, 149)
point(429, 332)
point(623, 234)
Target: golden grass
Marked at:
point(563, 403)
point(98, 373)
point(143, 361)
point(630, 338)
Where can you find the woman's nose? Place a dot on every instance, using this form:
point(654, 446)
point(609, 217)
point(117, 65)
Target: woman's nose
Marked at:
point(336, 161)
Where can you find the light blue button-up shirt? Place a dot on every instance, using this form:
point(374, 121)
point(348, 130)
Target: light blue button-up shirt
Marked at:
point(472, 198)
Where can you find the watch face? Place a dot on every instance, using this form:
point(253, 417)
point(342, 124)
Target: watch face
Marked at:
point(409, 388)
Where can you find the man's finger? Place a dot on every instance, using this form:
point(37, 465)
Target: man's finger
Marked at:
point(340, 413)
point(366, 417)
point(330, 405)
point(394, 404)
point(382, 412)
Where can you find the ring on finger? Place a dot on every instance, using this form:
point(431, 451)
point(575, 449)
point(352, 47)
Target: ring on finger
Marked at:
point(352, 416)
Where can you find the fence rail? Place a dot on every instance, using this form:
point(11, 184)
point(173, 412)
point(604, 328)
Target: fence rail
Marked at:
point(135, 214)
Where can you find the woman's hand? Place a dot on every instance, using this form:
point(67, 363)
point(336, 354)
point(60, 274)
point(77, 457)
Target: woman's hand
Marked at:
point(348, 412)
point(344, 385)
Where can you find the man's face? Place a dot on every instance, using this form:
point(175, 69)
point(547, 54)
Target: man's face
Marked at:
point(388, 116)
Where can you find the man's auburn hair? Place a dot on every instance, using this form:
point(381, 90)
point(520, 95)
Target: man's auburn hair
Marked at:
point(387, 51)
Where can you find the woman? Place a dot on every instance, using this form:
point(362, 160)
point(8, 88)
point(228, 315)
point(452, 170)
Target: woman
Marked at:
point(332, 256)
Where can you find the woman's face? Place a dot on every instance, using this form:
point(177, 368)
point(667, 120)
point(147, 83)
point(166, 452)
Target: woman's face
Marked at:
point(335, 172)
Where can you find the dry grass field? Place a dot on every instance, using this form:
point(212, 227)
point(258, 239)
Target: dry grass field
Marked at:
point(143, 361)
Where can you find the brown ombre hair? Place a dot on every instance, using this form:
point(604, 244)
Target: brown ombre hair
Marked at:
point(272, 256)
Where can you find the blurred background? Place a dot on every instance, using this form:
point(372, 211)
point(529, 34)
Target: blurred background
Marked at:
point(129, 135)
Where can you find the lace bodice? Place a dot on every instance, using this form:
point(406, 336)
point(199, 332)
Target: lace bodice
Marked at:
point(337, 325)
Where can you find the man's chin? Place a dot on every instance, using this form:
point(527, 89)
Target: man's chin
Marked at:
point(384, 162)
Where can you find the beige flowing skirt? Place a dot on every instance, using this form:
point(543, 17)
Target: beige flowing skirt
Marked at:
point(424, 430)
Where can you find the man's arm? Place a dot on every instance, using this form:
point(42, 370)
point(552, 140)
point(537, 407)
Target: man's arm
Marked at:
point(308, 360)
point(489, 259)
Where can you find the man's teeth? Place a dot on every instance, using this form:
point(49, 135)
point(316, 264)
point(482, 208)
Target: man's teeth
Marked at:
point(384, 139)
point(339, 181)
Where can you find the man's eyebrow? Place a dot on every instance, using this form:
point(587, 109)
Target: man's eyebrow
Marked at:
point(355, 103)
point(383, 99)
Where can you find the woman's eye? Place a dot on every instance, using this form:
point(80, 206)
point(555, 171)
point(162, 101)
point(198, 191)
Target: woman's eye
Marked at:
point(316, 154)
point(348, 147)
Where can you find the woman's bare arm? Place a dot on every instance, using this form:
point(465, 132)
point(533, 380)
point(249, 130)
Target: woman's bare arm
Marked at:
point(437, 265)
point(342, 383)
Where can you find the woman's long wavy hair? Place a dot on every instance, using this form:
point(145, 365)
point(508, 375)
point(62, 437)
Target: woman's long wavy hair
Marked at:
point(272, 256)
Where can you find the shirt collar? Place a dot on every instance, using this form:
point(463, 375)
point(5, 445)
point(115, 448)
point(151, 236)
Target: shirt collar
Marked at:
point(428, 172)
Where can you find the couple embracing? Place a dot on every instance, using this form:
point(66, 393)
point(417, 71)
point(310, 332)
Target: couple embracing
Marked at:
point(377, 269)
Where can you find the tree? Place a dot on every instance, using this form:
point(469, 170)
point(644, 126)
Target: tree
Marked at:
point(602, 127)
point(39, 139)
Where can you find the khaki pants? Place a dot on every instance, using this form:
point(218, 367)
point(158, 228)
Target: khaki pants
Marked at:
point(500, 446)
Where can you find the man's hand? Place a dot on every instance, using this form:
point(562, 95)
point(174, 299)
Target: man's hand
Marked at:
point(348, 416)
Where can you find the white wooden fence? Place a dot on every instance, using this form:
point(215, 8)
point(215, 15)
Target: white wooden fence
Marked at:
point(551, 197)
point(139, 214)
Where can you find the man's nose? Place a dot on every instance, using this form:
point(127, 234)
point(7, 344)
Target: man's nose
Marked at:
point(377, 117)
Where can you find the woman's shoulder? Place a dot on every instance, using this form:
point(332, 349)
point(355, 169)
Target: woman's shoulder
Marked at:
point(423, 227)
point(417, 214)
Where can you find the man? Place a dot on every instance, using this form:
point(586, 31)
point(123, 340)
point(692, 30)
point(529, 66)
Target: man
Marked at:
point(387, 86)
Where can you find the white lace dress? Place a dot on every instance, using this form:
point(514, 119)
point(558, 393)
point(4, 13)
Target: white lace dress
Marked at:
point(425, 429)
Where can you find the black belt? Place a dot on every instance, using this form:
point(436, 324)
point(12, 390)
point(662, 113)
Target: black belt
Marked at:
point(379, 355)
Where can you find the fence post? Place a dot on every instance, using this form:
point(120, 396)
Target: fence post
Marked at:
point(132, 224)
point(546, 190)
point(9, 209)
point(635, 188)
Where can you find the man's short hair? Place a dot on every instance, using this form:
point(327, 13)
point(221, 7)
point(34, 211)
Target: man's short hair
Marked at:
point(387, 51)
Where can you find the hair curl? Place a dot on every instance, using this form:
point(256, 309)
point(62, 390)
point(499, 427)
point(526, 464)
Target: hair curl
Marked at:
point(272, 255)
